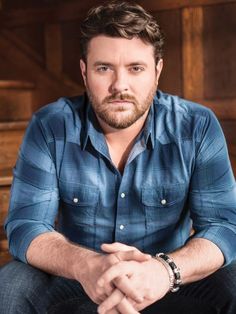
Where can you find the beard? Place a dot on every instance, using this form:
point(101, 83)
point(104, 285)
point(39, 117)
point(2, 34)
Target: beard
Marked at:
point(118, 115)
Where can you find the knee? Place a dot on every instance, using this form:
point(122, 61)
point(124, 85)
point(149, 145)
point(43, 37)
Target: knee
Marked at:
point(227, 284)
point(21, 286)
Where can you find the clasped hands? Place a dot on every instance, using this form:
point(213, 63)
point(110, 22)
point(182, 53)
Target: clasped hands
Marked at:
point(127, 281)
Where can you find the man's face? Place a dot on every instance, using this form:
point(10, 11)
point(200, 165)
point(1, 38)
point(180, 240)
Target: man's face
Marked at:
point(121, 78)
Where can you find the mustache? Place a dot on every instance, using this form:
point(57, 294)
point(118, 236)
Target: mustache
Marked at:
point(120, 96)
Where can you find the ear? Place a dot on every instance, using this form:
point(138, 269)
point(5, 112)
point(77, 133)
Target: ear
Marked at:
point(83, 70)
point(159, 67)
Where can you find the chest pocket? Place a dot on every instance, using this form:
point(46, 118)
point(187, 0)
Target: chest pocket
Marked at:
point(79, 202)
point(163, 205)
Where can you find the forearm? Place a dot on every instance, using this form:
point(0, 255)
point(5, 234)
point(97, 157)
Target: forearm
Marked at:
point(197, 259)
point(53, 253)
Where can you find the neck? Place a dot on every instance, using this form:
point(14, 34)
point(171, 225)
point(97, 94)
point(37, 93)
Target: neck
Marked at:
point(120, 142)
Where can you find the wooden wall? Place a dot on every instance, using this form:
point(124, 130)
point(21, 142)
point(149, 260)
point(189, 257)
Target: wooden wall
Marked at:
point(39, 62)
point(200, 58)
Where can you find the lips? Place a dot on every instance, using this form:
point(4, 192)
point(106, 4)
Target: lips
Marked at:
point(120, 101)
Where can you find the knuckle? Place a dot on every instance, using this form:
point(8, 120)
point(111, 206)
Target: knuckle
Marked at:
point(118, 256)
point(95, 299)
point(98, 291)
point(113, 259)
point(118, 280)
point(150, 295)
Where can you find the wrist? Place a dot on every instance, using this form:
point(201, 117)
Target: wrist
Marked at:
point(172, 269)
point(82, 262)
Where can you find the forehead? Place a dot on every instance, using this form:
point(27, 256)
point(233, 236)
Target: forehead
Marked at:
point(117, 49)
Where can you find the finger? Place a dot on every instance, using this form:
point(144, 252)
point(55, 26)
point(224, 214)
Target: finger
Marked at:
point(122, 282)
point(125, 285)
point(109, 288)
point(114, 299)
point(117, 270)
point(133, 255)
point(113, 311)
point(125, 307)
point(120, 247)
point(139, 306)
point(116, 246)
point(103, 292)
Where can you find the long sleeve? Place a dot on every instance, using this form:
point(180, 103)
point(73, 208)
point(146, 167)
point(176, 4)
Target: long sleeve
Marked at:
point(212, 197)
point(34, 193)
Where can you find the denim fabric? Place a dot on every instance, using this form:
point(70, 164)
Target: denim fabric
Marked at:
point(26, 290)
point(177, 172)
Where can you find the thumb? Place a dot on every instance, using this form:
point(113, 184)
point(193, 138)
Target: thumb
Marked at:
point(133, 255)
point(125, 252)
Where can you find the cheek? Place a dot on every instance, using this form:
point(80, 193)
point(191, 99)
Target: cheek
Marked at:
point(97, 86)
point(146, 84)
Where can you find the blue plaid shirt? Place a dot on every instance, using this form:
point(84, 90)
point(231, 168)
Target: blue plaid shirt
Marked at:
point(177, 173)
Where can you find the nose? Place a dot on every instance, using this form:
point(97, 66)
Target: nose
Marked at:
point(119, 82)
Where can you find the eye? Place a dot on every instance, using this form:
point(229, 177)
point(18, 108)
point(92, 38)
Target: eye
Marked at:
point(137, 69)
point(102, 68)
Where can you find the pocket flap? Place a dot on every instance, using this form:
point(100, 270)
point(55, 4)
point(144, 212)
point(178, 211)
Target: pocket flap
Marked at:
point(163, 196)
point(79, 194)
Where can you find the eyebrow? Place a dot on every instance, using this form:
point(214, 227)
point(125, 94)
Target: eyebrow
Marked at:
point(102, 63)
point(97, 63)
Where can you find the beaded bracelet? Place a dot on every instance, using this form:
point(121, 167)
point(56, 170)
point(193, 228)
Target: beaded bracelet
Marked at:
point(169, 270)
point(174, 269)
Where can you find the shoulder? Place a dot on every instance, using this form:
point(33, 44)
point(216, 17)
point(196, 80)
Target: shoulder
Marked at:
point(181, 118)
point(61, 117)
point(62, 107)
point(176, 105)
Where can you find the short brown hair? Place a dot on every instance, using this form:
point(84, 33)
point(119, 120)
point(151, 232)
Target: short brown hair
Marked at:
point(121, 19)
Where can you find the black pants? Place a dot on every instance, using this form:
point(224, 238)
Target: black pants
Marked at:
point(27, 290)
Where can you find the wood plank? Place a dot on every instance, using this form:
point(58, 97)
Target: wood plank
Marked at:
point(49, 86)
point(53, 47)
point(77, 10)
point(9, 145)
point(192, 20)
point(224, 109)
point(3, 245)
point(171, 76)
point(29, 51)
point(10, 84)
point(229, 128)
point(16, 125)
point(60, 13)
point(4, 258)
point(4, 203)
point(15, 104)
point(160, 5)
point(220, 51)
point(5, 179)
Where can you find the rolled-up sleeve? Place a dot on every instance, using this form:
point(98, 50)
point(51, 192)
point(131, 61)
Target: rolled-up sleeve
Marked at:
point(34, 192)
point(212, 197)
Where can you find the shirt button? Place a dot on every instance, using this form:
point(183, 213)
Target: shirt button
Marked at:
point(122, 195)
point(122, 227)
point(75, 200)
point(163, 202)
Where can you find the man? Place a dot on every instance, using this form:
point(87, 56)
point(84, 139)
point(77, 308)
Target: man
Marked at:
point(132, 170)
